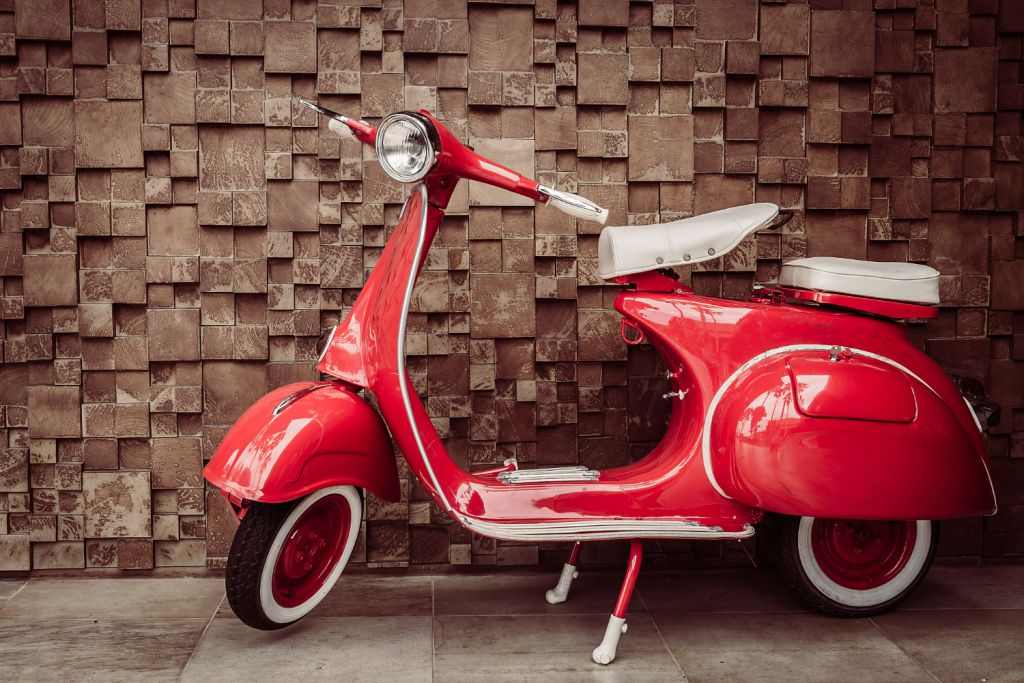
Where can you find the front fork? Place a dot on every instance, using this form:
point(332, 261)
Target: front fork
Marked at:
point(240, 506)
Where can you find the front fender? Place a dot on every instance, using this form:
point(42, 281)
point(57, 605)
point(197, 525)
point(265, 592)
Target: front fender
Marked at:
point(321, 435)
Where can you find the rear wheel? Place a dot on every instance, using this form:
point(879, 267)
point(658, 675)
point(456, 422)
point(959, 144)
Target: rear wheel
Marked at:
point(286, 557)
point(854, 568)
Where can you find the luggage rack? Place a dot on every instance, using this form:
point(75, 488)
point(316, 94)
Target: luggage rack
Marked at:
point(883, 307)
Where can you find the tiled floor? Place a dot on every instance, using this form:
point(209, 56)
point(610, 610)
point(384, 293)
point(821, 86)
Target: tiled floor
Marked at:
point(963, 624)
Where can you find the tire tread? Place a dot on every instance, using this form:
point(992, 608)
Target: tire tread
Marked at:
point(245, 562)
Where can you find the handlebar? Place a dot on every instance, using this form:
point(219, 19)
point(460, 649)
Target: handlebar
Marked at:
point(573, 204)
point(341, 128)
point(479, 168)
point(343, 125)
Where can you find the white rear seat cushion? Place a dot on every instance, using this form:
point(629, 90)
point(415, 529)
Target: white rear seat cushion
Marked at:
point(894, 281)
point(629, 249)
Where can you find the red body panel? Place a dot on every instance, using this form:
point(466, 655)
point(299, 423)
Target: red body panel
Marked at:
point(325, 437)
point(767, 453)
point(737, 442)
point(363, 350)
point(880, 454)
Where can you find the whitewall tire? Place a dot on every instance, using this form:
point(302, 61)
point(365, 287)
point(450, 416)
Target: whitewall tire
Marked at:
point(286, 558)
point(854, 567)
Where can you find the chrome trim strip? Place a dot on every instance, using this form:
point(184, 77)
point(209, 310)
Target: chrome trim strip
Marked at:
point(330, 339)
point(296, 395)
point(706, 432)
point(992, 487)
point(571, 473)
point(599, 529)
point(402, 376)
point(977, 423)
point(974, 415)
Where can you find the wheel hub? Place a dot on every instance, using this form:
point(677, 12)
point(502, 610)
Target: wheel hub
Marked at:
point(862, 554)
point(311, 550)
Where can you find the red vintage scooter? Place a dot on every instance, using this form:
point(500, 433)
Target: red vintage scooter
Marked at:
point(807, 402)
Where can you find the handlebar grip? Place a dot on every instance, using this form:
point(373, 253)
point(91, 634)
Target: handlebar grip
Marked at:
point(574, 205)
point(342, 129)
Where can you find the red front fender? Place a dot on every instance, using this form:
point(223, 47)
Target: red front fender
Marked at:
point(321, 435)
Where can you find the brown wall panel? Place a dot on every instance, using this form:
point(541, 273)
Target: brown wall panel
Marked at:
point(175, 232)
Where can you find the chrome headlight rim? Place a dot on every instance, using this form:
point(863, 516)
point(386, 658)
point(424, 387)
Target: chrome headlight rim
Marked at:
point(429, 139)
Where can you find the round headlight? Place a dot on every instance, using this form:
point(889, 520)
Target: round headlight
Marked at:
point(404, 148)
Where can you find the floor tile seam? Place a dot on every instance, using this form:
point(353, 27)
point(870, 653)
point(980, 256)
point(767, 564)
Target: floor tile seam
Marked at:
point(7, 601)
point(199, 640)
point(661, 635)
point(66, 580)
point(314, 616)
point(731, 611)
point(958, 609)
point(93, 620)
point(899, 647)
point(797, 610)
point(433, 625)
point(15, 593)
point(584, 656)
point(524, 614)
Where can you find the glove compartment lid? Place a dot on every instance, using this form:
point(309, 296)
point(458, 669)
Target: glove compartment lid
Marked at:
point(852, 388)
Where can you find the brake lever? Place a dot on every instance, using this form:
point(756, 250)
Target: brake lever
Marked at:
point(572, 204)
point(320, 110)
point(360, 130)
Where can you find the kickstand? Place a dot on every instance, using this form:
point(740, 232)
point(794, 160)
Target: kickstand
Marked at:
point(560, 592)
point(605, 652)
point(749, 556)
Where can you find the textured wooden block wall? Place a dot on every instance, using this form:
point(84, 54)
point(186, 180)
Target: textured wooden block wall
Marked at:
point(176, 232)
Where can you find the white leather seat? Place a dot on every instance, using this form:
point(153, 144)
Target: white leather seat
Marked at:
point(894, 281)
point(629, 249)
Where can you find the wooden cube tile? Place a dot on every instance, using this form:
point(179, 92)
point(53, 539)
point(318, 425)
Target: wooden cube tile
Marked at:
point(42, 19)
point(54, 411)
point(108, 134)
point(842, 43)
point(117, 504)
point(173, 334)
point(290, 47)
point(602, 78)
point(177, 231)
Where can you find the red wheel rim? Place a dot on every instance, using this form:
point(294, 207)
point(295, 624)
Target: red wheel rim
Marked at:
point(311, 551)
point(862, 554)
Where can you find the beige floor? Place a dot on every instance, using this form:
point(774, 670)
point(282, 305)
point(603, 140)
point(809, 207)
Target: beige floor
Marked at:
point(963, 624)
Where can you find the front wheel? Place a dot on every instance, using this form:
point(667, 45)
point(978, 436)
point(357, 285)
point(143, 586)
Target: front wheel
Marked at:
point(854, 568)
point(286, 557)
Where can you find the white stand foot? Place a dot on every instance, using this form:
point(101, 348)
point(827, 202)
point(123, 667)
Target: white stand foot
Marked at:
point(605, 652)
point(560, 592)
